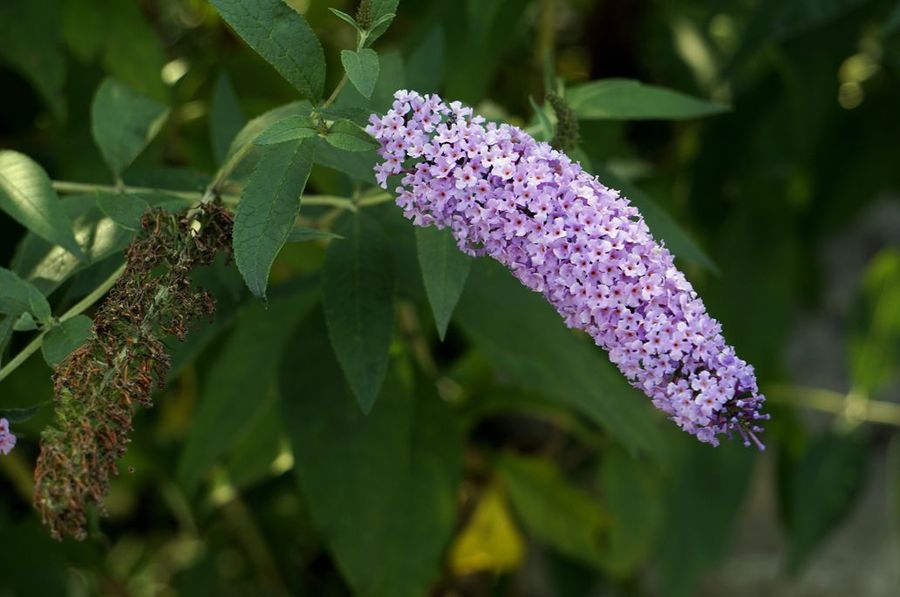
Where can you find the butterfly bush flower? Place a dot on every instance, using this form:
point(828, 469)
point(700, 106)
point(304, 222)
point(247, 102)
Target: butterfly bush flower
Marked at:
point(584, 247)
point(7, 439)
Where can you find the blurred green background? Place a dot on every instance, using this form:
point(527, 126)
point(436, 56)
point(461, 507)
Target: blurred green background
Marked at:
point(791, 198)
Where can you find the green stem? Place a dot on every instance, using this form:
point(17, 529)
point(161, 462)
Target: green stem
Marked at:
point(849, 405)
point(76, 309)
point(65, 186)
point(337, 90)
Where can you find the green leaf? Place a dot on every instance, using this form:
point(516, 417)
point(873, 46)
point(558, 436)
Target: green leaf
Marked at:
point(349, 136)
point(346, 18)
point(16, 294)
point(133, 52)
point(546, 129)
point(521, 334)
point(47, 265)
point(624, 99)
point(358, 297)
point(358, 165)
point(444, 271)
point(268, 209)
point(27, 195)
point(288, 129)
point(226, 117)
point(282, 36)
point(383, 12)
point(301, 234)
point(254, 455)
point(31, 32)
point(256, 126)
point(239, 380)
point(362, 69)
point(703, 502)
point(559, 514)
point(821, 491)
point(662, 225)
point(874, 347)
point(379, 484)
point(19, 415)
point(64, 338)
point(633, 499)
point(123, 122)
point(126, 210)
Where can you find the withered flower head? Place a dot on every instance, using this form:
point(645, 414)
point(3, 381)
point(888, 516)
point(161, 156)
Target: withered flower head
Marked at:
point(97, 386)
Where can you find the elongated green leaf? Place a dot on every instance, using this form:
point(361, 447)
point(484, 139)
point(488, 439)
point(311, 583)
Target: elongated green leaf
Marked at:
point(821, 491)
point(240, 380)
point(301, 235)
point(123, 122)
point(362, 69)
point(706, 493)
point(624, 99)
point(133, 51)
point(383, 12)
point(47, 265)
point(124, 210)
point(524, 337)
point(282, 36)
point(62, 339)
point(254, 455)
point(349, 136)
point(255, 126)
point(269, 206)
point(17, 294)
point(633, 499)
point(874, 348)
point(288, 129)
point(444, 270)
point(28, 197)
point(358, 296)
point(345, 17)
point(558, 513)
point(19, 415)
point(383, 483)
point(226, 117)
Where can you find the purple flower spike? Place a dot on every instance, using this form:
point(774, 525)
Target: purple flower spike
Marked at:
point(7, 439)
point(586, 249)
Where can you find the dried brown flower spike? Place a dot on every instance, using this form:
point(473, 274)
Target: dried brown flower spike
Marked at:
point(97, 386)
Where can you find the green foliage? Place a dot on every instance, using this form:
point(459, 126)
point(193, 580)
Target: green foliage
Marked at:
point(125, 210)
point(283, 37)
point(392, 472)
point(348, 136)
point(290, 128)
point(27, 195)
point(557, 513)
point(44, 64)
point(358, 298)
point(362, 69)
point(821, 488)
point(239, 380)
point(444, 271)
point(227, 117)
point(623, 99)
point(269, 206)
point(65, 337)
point(123, 123)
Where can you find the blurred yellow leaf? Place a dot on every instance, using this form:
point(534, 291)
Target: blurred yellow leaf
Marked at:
point(490, 540)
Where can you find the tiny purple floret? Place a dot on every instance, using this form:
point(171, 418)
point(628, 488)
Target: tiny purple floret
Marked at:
point(583, 246)
point(7, 439)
